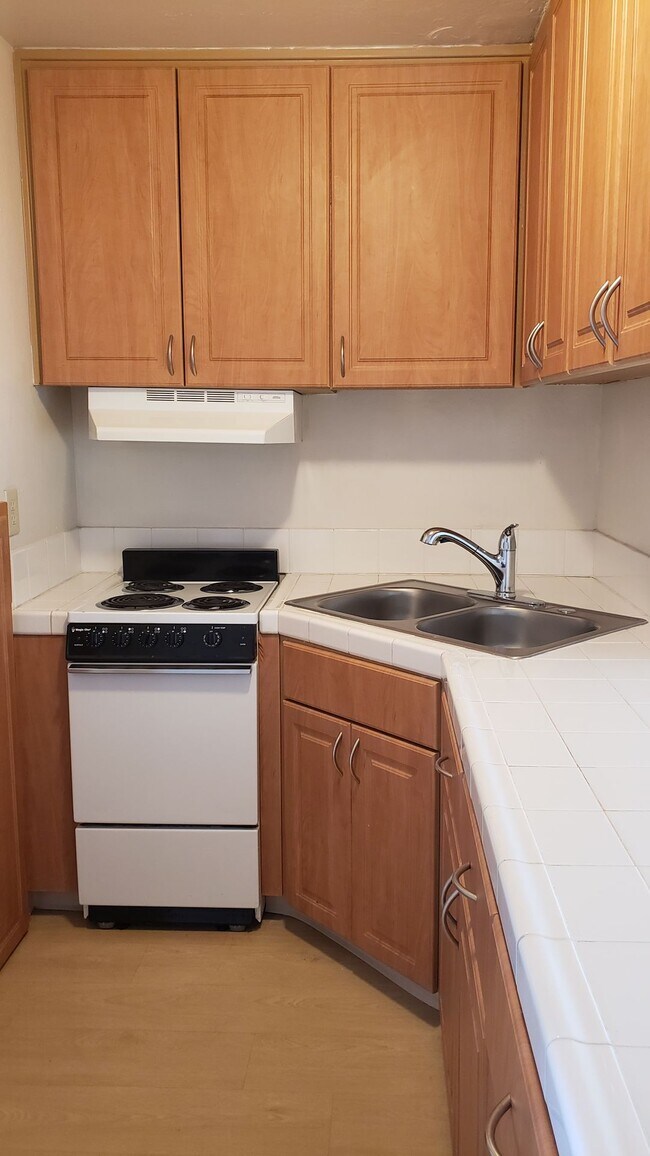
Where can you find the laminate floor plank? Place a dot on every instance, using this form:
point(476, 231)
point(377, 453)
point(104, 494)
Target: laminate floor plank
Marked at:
point(201, 1043)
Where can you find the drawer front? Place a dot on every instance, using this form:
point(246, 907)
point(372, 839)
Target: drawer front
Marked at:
point(386, 700)
point(168, 866)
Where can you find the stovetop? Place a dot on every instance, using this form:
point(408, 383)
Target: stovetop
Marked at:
point(176, 607)
point(188, 603)
point(178, 586)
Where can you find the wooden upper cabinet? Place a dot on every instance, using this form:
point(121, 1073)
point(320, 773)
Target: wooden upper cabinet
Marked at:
point(548, 196)
point(255, 211)
point(425, 187)
point(598, 77)
point(394, 836)
point(105, 191)
point(553, 341)
point(539, 82)
point(633, 241)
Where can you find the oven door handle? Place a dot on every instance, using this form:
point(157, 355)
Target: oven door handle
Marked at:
point(124, 668)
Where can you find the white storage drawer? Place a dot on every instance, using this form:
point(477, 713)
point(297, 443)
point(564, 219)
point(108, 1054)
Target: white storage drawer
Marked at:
point(168, 866)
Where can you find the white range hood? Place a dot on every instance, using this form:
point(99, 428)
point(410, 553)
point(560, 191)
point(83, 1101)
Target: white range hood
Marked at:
point(194, 415)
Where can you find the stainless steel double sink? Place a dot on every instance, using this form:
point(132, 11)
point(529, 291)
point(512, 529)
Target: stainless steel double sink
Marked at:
point(515, 629)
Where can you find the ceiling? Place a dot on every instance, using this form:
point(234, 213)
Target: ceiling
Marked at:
point(265, 23)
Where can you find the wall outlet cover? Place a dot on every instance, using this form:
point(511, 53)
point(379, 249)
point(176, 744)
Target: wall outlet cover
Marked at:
point(11, 498)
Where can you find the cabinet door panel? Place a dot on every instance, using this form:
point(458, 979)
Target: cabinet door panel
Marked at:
point(425, 161)
point(598, 67)
point(553, 343)
point(105, 182)
point(394, 878)
point(536, 198)
point(316, 816)
point(255, 194)
point(13, 905)
point(634, 202)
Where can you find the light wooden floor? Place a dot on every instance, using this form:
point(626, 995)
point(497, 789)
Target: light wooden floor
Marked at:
point(272, 1043)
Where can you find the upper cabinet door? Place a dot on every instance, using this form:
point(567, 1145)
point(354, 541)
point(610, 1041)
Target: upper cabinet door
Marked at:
point(255, 196)
point(425, 182)
point(539, 81)
point(553, 339)
point(634, 192)
point(596, 122)
point(104, 165)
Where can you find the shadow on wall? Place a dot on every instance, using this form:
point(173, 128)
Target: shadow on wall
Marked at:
point(373, 459)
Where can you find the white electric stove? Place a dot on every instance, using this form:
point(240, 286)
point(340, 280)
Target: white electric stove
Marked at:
point(162, 676)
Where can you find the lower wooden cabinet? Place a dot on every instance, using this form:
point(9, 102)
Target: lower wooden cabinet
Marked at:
point(13, 900)
point(494, 1092)
point(360, 823)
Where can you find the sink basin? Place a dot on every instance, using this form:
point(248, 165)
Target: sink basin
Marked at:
point(393, 603)
point(513, 630)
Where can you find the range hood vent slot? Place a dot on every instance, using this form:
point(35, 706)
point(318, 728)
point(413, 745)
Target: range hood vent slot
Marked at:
point(194, 415)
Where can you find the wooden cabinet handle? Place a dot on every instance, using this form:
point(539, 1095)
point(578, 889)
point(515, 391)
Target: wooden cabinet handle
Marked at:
point(193, 355)
point(170, 355)
point(493, 1123)
point(342, 357)
point(335, 748)
point(352, 754)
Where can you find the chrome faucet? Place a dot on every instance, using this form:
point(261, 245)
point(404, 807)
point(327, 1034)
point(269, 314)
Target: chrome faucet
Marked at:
point(501, 565)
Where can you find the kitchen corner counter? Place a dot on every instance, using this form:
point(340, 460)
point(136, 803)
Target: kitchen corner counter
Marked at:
point(556, 749)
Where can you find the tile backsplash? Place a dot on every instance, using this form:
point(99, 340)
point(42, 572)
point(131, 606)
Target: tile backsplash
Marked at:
point(578, 553)
point(336, 551)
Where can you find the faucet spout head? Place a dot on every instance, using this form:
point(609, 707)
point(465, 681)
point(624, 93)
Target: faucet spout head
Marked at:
point(433, 536)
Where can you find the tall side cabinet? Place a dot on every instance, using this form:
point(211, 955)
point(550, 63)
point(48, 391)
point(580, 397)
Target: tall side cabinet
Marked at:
point(587, 282)
point(13, 899)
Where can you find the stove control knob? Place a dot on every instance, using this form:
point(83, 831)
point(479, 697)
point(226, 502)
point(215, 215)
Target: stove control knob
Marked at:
point(97, 638)
point(174, 637)
point(122, 637)
point(212, 637)
point(148, 638)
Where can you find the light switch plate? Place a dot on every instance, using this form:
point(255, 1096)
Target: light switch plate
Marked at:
point(11, 498)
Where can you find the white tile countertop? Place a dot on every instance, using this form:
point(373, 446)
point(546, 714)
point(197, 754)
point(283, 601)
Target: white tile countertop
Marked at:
point(556, 749)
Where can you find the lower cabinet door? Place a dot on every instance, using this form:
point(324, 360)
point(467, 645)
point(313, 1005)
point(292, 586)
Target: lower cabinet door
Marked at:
point(394, 878)
point(449, 962)
point(316, 816)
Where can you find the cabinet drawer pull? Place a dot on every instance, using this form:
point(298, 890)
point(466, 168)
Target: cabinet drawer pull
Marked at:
point(592, 315)
point(439, 765)
point(352, 754)
point(493, 1123)
point(170, 355)
point(193, 354)
point(458, 885)
point(335, 748)
point(604, 307)
point(342, 356)
point(453, 895)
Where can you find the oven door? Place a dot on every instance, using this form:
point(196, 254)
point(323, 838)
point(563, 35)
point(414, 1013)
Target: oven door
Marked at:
point(164, 745)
